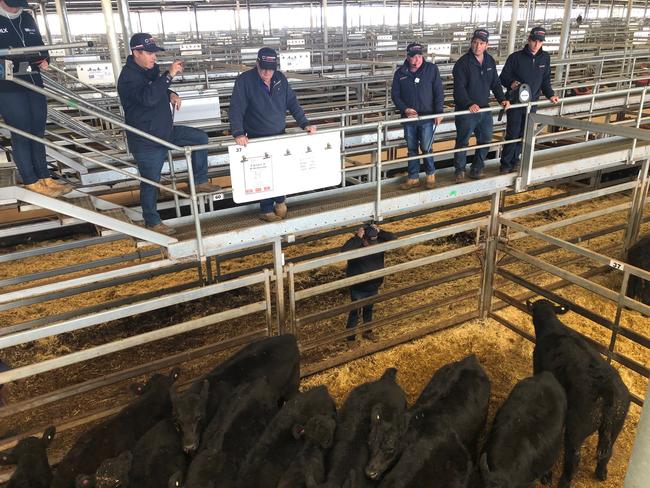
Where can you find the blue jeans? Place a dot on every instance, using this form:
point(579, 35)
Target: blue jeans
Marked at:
point(266, 205)
point(515, 125)
point(353, 316)
point(27, 111)
point(466, 125)
point(419, 136)
point(151, 160)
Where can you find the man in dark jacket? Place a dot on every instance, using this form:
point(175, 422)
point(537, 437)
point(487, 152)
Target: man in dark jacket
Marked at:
point(475, 75)
point(364, 237)
point(21, 107)
point(532, 66)
point(258, 108)
point(416, 91)
point(146, 99)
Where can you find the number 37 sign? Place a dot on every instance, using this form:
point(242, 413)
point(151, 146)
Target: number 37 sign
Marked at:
point(284, 167)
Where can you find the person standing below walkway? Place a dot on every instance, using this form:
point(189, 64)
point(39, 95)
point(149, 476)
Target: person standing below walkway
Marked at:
point(146, 97)
point(258, 108)
point(367, 235)
point(475, 75)
point(21, 107)
point(531, 65)
point(416, 91)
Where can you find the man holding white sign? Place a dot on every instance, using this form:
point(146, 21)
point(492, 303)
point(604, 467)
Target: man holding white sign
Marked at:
point(258, 107)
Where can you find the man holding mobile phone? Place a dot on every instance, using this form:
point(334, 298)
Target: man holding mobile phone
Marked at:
point(146, 97)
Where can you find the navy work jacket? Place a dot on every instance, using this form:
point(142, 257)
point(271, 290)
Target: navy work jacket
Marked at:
point(473, 81)
point(22, 32)
point(535, 70)
point(257, 111)
point(144, 94)
point(421, 90)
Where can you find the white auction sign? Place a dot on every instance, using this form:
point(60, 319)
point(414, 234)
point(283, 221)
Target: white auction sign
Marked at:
point(285, 166)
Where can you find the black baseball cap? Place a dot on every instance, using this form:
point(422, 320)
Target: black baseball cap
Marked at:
point(370, 232)
point(267, 58)
point(481, 34)
point(413, 49)
point(538, 34)
point(144, 42)
point(17, 3)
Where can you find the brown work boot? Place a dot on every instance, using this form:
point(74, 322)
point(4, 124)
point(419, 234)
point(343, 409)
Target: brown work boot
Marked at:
point(270, 217)
point(369, 335)
point(410, 183)
point(431, 181)
point(57, 185)
point(162, 229)
point(207, 187)
point(460, 177)
point(281, 210)
point(39, 187)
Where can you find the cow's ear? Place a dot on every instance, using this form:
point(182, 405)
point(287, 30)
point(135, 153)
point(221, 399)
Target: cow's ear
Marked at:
point(298, 431)
point(84, 481)
point(376, 413)
point(560, 309)
point(175, 374)
point(136, 389)
point(529, 305)
point(7, 457)
point(48, 435)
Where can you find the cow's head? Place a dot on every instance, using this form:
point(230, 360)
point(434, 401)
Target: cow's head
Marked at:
point(319, 431)
point(385, 441)
point(28, 445)
point(112, 473)
point(189, 414)
point(545, 307)
point(155, 382)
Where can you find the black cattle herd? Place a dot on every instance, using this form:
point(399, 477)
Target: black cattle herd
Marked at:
point(245, 424)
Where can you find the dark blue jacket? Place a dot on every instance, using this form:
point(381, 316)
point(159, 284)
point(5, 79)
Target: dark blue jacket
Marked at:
point(535, 70)
point(29, 36)
point(145, 99)
point(425, 95)
point(473, 81)
point(256, 113)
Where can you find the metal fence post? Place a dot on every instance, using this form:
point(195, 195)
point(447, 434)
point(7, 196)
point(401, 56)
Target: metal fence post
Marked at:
point(172, 173)
point(378, 216)
point(278, 265)
point(194, 204)
point(490, 257)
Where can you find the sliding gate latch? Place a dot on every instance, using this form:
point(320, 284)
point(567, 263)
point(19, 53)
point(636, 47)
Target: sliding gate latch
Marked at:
point(6, 69)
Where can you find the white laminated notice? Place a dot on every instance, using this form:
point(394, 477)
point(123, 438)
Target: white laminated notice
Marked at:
point(284, 167)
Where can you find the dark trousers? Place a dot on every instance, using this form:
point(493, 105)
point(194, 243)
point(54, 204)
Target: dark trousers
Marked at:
point(353, 316)
point(27, 111)
point(515, 125)
point(419, 136)
point(466, 125)
point(151, 160)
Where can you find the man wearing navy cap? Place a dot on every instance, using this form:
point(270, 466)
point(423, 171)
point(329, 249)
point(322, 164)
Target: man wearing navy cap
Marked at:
point(146, 97)
point(475, 75)
point(258, 107)
point(365, 236)
point(417, 91)
point(531, 65)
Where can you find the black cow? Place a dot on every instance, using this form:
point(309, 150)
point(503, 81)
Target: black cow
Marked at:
point(190, 413)
point(283, 438)
point(157, 455)
point(597, 398)
point(112, 473)
point(526, 437)
point(639, 256)
point(275, 358)
point(440, 460)
point(3, 388)
point(307, 470)
point(118, 433)
point(456, 396)
point(382, 404)
point(231, 433)
point(30, 457)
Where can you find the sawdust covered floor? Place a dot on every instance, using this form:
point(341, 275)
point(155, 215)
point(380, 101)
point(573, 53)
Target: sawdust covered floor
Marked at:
point(506, 357)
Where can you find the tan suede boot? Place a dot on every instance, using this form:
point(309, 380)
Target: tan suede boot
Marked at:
point(281, 210)
point(410, 183)
point(431, 181)
point(58, 185)
point(39, 187)
point(270, 217)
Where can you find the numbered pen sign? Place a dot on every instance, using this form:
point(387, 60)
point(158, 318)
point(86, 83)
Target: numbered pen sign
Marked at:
point(284, 167)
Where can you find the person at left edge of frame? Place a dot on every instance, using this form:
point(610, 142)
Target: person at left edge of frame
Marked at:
point(23, 108)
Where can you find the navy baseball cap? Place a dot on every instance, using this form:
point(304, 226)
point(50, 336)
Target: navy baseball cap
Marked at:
point(144, 42)
point(413, 49)
point(481, 34)
point(267, 58)
point(17, 3)
point(538, 34)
